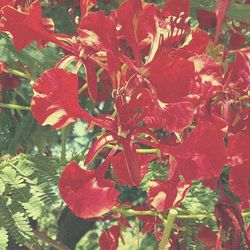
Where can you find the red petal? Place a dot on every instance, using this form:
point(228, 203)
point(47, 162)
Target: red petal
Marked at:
point(91, 78)
point(206, 19)
point(98, 31)
point(80, 188)
point(130, 25)
point(109, 239)
point(7, 2)
point(197, 41)
point(236, 40)
point(238, 73)
point(176, 7)
point(239, 182)
point(98, 145)
point(122, 172)
point(166, 194)
point(147, 21)
point(86, 5)
point(221, 11)
point(55, 99)
point(8, 82)
point(207, 237)
point(25, 27)
point(196, 158)
point(238, 149)
point(173, 83)
point(132, 162)
point(173, 117)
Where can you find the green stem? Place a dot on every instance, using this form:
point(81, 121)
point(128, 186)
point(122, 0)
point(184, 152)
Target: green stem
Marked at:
point(131, 212)
point(13, 106)
point(168, 225)
point(19, 73)
point(64, 137)
point(195, 216)
point(139, 150)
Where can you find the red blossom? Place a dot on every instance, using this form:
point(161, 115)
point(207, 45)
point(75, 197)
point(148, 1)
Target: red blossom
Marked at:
point(25, 26)
point(80, 188)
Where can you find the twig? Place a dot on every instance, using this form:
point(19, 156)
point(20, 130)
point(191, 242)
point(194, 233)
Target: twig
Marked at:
point(54, 243)
point(13, 106)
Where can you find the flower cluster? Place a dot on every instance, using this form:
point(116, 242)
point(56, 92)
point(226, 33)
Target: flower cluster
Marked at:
point(180, 98)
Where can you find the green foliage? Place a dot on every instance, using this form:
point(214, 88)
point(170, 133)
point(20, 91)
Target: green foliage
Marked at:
point(238, 12)
point(27, 185)
point(199, 200)
point(3, 238)
point(35, 60)
point(19, 130)
point(156, 171)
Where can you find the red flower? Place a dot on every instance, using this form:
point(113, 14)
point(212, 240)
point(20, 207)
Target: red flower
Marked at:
point(25, 26)
point(86, 192)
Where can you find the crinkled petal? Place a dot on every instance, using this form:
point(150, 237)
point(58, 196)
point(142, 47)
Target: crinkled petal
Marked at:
point(86, 192)
point(55, 99)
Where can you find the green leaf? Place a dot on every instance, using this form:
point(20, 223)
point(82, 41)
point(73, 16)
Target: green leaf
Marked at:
point(3, 238)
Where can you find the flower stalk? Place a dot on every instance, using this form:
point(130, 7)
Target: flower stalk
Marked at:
point(168, 225)
point(13, 106)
